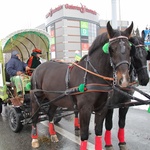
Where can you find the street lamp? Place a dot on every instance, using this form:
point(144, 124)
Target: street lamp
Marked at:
point(119, 16)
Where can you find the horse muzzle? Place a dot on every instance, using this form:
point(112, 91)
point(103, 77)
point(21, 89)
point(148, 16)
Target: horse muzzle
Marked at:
point(122, 78)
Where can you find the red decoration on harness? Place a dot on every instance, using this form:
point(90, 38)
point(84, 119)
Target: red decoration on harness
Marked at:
point(85, 89)
point(51, 129)
point(70, 67)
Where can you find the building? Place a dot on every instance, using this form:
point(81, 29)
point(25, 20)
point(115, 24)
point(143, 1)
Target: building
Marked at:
point(72, 30)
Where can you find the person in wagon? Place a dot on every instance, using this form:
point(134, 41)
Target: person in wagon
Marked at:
point(34, 60)
point(16, 70)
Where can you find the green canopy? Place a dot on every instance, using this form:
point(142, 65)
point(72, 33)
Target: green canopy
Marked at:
point(25, 41)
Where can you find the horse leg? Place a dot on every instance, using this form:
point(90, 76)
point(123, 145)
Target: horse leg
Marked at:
point(76, 121)
point(121, 134)
point(76, 124)
point(34, 112)
point(85, 115)
point(51, 113)
point(108, 126)
point(99, 118)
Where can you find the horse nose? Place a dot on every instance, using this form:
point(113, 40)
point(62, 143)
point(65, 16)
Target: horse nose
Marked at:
point(144, 82)
point(124, 80)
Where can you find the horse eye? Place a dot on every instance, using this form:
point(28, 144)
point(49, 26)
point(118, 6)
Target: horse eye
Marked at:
point(111, 50)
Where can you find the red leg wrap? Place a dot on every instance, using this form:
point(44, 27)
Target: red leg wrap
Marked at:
point(51, 129)
point(83, 145)
point(98, 143)
point(121, 135)
point(107, 137)
point(34, 134)
point(76, 122)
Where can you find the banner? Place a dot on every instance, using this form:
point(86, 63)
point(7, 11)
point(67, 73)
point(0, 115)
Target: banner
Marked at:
point(84, 32)
point(84, 24)
point(147, 37)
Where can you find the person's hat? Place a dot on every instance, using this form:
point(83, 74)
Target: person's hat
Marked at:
point(38, 51)
point(14, 52)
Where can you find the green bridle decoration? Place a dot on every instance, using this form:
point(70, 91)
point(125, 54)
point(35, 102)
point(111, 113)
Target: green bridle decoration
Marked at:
point(105, 48)
point(146, 48)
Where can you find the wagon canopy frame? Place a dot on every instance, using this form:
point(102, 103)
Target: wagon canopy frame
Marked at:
point(25, 41)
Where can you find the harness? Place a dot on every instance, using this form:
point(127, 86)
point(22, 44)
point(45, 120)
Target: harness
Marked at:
point(95, 87)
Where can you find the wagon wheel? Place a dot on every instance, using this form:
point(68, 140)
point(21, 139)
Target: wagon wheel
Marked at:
point(14, 119)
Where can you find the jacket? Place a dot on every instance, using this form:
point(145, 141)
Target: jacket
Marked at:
point(33, 61)
point(14, 65)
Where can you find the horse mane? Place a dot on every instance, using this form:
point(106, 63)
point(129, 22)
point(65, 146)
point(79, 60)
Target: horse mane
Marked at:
point(136, 40)
point(98, 42)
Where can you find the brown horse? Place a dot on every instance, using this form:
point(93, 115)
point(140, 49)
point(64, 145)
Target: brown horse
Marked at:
point(84, 86)
point(139, 65)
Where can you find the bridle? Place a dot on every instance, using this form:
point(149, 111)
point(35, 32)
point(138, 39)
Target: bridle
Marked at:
point(113, 40)
point(88, 63)
point(140, 46)
point(115, 66)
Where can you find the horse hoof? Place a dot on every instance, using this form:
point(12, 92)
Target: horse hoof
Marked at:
point(35, 143)
point(110, 147)
point(54, 138)
point(123, 146)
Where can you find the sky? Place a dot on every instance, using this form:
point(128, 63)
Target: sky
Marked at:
point(22, 14)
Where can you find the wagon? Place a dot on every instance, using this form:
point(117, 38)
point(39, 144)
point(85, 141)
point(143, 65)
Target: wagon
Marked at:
point(24, 41)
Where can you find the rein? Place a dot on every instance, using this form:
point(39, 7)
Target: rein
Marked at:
point(98, 75)
point(132, 103)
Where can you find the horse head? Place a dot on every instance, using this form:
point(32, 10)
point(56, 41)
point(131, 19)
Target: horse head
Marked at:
point(139, 58)
point(119, 51)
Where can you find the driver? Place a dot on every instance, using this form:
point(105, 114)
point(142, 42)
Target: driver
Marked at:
point(16, 69)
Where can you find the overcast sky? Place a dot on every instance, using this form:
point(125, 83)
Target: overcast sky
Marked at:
point(20, 14)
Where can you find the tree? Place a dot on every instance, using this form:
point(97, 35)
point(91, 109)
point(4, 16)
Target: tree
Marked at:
point(133, 32)
point(137, 32)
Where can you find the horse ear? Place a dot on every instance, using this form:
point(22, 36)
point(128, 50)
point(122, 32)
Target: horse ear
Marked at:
point(128, 31)
point(143, 34)
point(109, 30)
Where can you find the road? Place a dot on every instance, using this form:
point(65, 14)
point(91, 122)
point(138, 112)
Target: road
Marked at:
point(137, 134)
